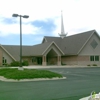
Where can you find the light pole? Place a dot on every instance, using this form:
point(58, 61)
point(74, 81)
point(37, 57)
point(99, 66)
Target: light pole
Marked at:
point(24, 16)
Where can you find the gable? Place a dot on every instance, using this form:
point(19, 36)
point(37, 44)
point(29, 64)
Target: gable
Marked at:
point(92, 47)
point(54, 47)
point(5, 52)
point(5, 56)
point(71, 45)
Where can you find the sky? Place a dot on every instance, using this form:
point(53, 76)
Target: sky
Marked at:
point(45, 19)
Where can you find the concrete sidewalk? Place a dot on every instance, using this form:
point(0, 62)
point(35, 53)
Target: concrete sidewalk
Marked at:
point(66, 66)
point(54, 66)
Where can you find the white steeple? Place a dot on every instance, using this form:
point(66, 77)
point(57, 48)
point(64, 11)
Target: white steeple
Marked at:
point(63, 34)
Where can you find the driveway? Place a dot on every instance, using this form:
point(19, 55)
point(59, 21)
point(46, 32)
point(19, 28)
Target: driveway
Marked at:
point(79, 82)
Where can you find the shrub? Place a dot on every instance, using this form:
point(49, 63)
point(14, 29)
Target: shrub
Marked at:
point(88, 65)
point(25, 63)
point(15, 63)
point(6, 65)
point(94, 64)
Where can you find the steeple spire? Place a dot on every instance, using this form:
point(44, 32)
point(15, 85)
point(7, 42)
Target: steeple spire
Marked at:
point(63, 34)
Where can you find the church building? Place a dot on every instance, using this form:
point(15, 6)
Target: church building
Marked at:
point(79, 49)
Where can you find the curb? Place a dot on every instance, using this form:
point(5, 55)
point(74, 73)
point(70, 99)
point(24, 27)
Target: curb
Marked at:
point(29, 80)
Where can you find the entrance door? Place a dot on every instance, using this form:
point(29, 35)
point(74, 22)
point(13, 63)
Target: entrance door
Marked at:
point(39, 60)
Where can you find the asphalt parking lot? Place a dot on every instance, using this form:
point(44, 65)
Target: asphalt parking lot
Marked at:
point(80, 82)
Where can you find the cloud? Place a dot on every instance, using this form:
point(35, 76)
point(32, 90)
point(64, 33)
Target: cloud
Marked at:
point(46, 26)
point(39, 10)
point(78, 15)
point(14, 28)
point(10, 26)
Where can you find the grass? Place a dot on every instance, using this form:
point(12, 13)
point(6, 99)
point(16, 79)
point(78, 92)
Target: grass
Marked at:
point(10, 73)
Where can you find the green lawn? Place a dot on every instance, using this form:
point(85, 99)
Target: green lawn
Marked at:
point(26, 73)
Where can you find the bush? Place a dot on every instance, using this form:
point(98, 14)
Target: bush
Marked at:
point(94, 64)
point(6, 65)
point(15, 63)
point(88, 65)
point(25, 63)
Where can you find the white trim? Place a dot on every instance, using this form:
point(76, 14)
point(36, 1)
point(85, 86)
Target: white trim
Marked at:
point(58, 48)
point(7, 52)
point(86, 42)
point(55, 45)
point(44, 39)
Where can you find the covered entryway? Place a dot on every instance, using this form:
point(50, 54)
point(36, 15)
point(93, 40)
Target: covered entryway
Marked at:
point(52, 55)
point(51, 58)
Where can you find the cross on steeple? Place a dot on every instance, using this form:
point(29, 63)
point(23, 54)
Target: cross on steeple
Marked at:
point(63, 34)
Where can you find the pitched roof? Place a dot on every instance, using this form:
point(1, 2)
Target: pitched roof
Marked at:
point(71, 45)
point(37, 50)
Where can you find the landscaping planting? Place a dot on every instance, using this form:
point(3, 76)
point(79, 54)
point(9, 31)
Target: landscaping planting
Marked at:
point(14, 73)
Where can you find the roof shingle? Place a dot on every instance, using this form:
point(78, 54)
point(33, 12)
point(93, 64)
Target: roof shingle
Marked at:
point(70, 45)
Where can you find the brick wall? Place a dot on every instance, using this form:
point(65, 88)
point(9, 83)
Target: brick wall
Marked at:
point(0, 57)
point(52, 61)
point(83, 58)
point(76, 60)
point(29, 59)
point(69, 60)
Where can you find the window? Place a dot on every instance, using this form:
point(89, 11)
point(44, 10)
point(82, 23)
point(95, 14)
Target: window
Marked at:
point(96, 58)
point(34, 59)
point(4, 61)
point(91, 58)
point(94, 44)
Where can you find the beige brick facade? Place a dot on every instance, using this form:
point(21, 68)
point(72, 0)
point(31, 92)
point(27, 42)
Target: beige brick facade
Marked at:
point(44, 63)
point(0, 57)
point(69, 60)
point(29, 59)
point(76, 60)
point(83, 58)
